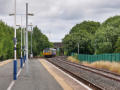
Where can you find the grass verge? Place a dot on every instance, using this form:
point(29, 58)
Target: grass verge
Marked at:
point(72, 59)
point(111, 66)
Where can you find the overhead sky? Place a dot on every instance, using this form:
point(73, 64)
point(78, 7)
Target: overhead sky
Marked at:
point(55, 18)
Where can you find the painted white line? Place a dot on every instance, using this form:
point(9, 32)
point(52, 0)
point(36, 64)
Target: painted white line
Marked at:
point(19, 72)
point(11, 85)
point(71, 77)
point(13, 82)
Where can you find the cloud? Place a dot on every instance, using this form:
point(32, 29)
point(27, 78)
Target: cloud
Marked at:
point(56, 17)
point(4, 7)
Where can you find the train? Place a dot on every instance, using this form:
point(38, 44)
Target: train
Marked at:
point(49, 52)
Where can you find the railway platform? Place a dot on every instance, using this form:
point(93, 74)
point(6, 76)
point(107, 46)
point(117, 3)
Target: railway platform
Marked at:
point(6, 74)
point(41, 75)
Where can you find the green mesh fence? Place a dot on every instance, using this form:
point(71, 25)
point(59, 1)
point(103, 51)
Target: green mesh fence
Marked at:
point(100, 57)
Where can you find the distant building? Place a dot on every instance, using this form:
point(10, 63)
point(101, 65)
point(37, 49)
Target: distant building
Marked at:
point(57, 44)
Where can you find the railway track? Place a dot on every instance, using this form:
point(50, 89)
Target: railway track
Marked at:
point(95, 78)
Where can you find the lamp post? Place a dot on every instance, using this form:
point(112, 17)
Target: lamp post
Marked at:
point(15, 39)
point(31, 42)
point(24, 45)
point(21, 59)
point(31, 55)
point(78, 48)
point(15, 44)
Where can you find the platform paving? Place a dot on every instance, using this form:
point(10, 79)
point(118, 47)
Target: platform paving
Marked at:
point(6, 75)
point(37, 78)
point(67, 82)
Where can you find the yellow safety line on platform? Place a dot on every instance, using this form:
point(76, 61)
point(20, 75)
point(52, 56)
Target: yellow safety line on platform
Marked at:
point(60, 80)
point(5, 62)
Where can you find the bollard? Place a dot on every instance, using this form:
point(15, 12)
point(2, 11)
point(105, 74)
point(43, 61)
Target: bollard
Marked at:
point(15, 70)
point(21, 62)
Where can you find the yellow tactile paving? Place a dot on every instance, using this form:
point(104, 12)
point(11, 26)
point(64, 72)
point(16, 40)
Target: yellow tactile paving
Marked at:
point(61, 81)
point(5, 62)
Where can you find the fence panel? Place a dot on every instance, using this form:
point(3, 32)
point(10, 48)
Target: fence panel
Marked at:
point(114, 57)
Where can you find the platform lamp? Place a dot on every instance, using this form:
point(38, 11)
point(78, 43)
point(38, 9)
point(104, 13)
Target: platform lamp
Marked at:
point(21, 58)
point(15, 44)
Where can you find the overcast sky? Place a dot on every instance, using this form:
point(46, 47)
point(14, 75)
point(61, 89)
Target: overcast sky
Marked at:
point(55, 18)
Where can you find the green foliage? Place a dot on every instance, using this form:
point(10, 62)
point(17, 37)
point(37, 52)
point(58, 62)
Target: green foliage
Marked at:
point(117, 50)
point(83, 34)
point(88, 26)
point(107, 35)
point(94, 38)
point(6, 43)
point(40, 41)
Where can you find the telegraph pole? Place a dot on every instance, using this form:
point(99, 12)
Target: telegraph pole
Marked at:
point(31, 41)
point(27, 37)
point(78, 48)
point(21, 63)
point(24, 44)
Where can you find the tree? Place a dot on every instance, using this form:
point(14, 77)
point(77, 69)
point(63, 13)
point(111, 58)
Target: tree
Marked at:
point(88, 26)
point(83, 34)
point(98, 38)
point(40, 41)
point(107, 35)
point(6, 41)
